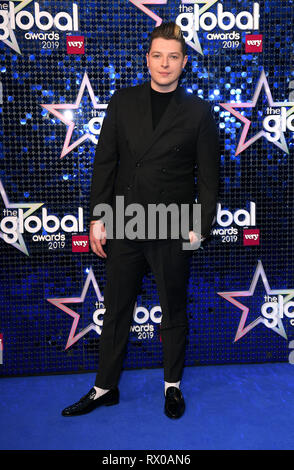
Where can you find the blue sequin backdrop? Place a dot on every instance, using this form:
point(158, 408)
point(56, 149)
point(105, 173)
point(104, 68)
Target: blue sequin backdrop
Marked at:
point(43, 174)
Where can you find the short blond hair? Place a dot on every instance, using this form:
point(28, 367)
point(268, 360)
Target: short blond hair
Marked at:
point(169, 30)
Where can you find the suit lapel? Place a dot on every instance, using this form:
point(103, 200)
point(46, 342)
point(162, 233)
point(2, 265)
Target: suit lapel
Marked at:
point(146, 136)
point(144, 120)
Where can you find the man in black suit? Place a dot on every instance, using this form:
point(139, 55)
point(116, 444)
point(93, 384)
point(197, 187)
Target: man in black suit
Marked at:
point(153, 139)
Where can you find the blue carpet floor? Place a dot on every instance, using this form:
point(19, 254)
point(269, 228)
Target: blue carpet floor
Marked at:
point(227, 407)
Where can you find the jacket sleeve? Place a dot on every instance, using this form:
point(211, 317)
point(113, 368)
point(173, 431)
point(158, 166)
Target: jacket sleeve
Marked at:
point(207, 171)
point(106, 160)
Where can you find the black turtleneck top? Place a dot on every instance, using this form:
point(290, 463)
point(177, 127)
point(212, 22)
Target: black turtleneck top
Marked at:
point(159, 103)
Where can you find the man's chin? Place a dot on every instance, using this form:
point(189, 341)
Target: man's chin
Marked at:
point(165, 82)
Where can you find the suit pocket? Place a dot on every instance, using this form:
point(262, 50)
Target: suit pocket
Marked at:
point(183, 138)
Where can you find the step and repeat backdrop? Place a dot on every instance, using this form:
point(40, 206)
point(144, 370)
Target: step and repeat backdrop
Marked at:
point(61, 61)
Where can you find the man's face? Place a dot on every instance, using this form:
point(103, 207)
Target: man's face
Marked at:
point(165, 62)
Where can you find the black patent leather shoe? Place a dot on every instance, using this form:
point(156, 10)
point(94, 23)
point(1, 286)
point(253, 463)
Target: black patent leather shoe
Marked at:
point(87, 402)
point(174, 406)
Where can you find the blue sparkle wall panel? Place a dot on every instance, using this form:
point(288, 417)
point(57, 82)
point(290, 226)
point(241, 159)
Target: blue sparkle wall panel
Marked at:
point(61, 61)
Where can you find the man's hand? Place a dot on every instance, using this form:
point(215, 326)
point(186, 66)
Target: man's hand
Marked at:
point(195, 239)
point(98, 237)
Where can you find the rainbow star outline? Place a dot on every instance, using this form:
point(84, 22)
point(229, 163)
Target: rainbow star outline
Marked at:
point(230, 297)
point(61, 301)
point(54, 109)
point(243, 144)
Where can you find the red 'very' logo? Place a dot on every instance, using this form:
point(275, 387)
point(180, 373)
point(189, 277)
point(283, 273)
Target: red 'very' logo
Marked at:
point(253, 43)
point(251, 236)
point(80, 243)
point(75, 44)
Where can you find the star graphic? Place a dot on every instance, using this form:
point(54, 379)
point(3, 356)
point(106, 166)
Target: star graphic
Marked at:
point(243, 144)
point(230, 296)
point(141, 4)
point(59, 303)
point(12, 42)
point(53, 108)
point(32, 207)
point(195, 44)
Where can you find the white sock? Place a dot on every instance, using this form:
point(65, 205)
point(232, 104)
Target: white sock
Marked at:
point(99, 392)
point(170, 384)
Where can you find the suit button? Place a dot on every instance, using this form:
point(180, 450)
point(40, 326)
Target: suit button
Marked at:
point(161, 191)
point(138, 164)
point(130, 186)
point(177, 148)
point(163, 170)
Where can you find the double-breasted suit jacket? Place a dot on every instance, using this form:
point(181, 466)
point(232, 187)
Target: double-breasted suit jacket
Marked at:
point(161, 165)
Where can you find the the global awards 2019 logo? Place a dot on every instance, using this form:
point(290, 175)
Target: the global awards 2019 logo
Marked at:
point(38, 24)
point(210, 18)
point(20, 218)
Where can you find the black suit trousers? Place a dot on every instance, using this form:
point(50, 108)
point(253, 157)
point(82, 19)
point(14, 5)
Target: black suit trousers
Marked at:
point(126, 264)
